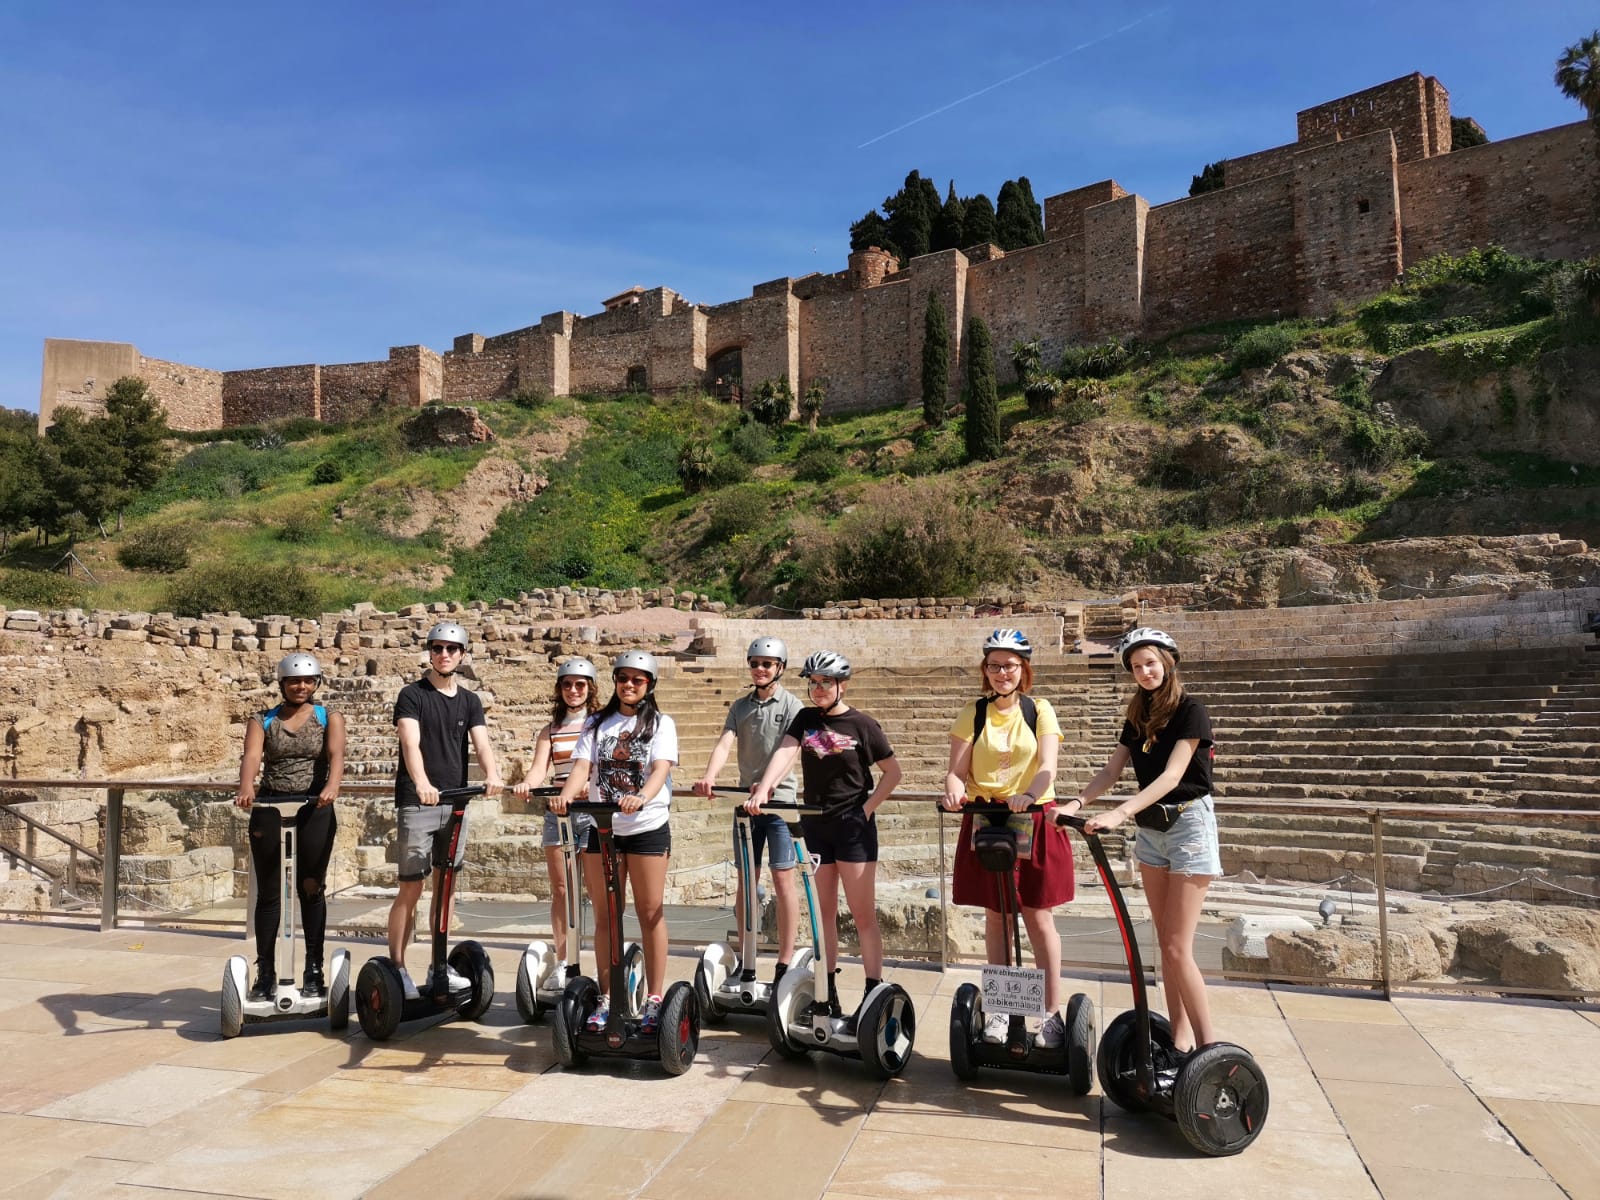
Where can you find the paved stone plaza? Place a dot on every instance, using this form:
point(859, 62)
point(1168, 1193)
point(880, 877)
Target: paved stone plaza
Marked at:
point(114, 1082)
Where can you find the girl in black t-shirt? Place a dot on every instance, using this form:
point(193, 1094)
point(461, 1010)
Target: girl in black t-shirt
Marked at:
point(837, 747)
point(1166, 735)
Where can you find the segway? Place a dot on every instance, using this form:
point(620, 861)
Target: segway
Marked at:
point(541, 974)
point(288, 1001)
point(1217, 1094)
point(381, 1002)
point(677, 1033)
point(1008, 987)
point(888, 1022)
point(724, 981)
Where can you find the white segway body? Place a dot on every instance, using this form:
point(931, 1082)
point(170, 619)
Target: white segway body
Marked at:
point(287, 1003)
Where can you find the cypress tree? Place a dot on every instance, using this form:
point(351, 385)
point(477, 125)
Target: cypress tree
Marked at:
point(947, 227)
point(977, 222)
point(1017, 218)
point(935, 361)
point(983, 399)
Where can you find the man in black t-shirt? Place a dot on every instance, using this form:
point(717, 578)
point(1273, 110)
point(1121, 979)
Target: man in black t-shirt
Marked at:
point(435, 719)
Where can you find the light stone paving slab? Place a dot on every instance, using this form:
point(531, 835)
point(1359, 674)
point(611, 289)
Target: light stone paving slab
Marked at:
point(1565, 1138)
point(1144, 1154)
point(625, 1094)
point(335, 1139)
point(1416, 1183)
point(263, 1048)
point(1376, 1053)
point(1298, 1099)
point(38, 1145)
point(920, 1168)
point(1435, 1128)
point(1366, 1008)
point(144, 1097)
point(822, 1081)
point(1524, 1066)
point(1542, 1017)
point(775, 1151)
point(155, 1142)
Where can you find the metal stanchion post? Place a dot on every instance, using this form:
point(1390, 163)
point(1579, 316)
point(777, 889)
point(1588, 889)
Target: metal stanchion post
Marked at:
point(1383, 903)
point(111, 867)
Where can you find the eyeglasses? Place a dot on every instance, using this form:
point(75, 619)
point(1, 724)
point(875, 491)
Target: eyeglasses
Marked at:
point(445, 648)
point(574, 683)
point(817, 682)
point(1002, 668)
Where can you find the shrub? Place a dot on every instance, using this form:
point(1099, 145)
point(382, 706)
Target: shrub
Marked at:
point(1375, 443)
point(329, 470)
point(738, 510)
point(40, 589)
point(301, 526)
point(752, 443)
point(694, 466)
point(919, 539)
point(817, 464)
point(1279, 391)
point(812, 402)
point(163, 548)
point(1263, 345)
point(772, 402)
point(1099, 361)
point(728, 469)
point(254, 589)
point(1041, 392)
point(529, 398)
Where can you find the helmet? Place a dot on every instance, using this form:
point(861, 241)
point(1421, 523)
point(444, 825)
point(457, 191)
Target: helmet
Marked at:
point(447, 631)
point(635, 660)
point(1013, 640)
point(1145, 636)
point(581, 667)
point(768, 647)
point(826, 663)
point(299, 666)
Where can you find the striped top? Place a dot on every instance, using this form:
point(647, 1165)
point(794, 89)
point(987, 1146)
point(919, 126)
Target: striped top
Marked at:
point(563, 740)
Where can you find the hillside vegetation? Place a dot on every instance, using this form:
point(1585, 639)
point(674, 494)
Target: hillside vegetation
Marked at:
point(1126, 463)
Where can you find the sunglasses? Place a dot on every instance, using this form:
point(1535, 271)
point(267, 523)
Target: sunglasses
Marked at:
point(631, 680)
point(444, 648)
point(574, 683)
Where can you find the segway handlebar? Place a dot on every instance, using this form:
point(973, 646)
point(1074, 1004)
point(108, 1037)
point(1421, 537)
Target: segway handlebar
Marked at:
point(310, 798)
point(1075, 821)
point(993, 806)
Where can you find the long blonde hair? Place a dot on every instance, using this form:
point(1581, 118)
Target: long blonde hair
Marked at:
point(1149, 712)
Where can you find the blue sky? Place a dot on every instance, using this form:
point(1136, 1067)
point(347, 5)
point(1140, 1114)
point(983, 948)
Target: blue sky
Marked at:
point(253, 185)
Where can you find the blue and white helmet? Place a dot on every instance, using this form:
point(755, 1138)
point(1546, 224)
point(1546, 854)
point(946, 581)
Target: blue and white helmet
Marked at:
point(1013, 640)
point(827, 664)
point(1145, 636)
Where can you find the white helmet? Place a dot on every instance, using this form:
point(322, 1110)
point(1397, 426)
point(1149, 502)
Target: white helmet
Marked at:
point(826, 664)
point(1145, 636)
point(1013, 640)
point(635, 660)
point(299, 666)
point(447, 631)
point(580, 667)
point(768, 647)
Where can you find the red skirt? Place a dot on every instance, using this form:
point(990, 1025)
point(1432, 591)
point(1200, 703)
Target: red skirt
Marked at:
point(1044, 880)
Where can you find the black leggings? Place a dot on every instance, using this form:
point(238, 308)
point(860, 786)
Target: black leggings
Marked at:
point(314, 830)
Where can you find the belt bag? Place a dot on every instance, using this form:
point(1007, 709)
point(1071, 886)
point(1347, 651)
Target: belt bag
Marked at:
point(995, 847)
point(1160, 816)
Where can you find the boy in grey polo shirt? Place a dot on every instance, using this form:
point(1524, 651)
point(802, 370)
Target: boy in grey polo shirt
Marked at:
point(756, 724)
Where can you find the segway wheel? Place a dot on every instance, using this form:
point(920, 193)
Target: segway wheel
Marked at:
point(379, 998)
point(887, 1030)
point(633, 973)
point(232, 999)
point(1116, 1058)
point(709, 1012)
point(965, 1022)
point(572, 1010)
point(339, 992)
point(679, 1031)
point(470, 960)
point(528, 1006)
point(778, 1012)
point(1080, 1043)
point(1220, 1099)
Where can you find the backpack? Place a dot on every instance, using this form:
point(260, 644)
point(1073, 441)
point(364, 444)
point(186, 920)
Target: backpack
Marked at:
point(1030, 714)
point(317, 710)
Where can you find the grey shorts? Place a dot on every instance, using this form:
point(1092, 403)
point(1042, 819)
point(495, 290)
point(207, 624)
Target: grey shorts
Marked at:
point(582, 823)
point(1189, 847)
point(422, 845)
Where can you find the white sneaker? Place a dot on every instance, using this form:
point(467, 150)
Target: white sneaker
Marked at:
point(408, 986)
point(995, 1028)
point(456, 982)
point(1053, 1032)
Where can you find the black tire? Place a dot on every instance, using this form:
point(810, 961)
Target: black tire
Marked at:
point(472, 961)
point(232, 1004)
point(1080, 1043)
point(709, 1012)
point(1220, 1099)
point(379, 998)
point(965, 1022)
point(678, 1033)
point(572, 1010)
point(777, 1035)
point(339, 993)
point(529, 1007)
point(887, 1032)
point(1116, 1058)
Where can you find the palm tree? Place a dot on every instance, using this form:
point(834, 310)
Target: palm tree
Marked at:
point(1578, 74)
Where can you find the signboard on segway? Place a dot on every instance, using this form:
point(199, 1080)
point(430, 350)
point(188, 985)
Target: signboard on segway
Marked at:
point(1014, 991)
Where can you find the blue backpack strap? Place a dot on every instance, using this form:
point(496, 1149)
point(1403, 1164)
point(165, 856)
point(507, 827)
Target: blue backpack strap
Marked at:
point(321, 713)
point(268, 717)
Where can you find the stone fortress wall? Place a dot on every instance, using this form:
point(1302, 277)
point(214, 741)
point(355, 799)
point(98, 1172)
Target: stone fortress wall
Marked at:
point(1368, 186)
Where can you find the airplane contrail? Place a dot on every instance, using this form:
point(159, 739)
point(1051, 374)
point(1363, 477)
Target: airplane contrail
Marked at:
point(1011, 78)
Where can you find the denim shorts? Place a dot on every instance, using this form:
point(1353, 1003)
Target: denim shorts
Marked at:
point(581, 824)
point(422, 842)
point(1189, 847)
point(769, 832)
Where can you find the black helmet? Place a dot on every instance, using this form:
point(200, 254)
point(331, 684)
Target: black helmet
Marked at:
point(1145, 636)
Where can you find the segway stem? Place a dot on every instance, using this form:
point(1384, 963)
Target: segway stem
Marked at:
point(458, 798)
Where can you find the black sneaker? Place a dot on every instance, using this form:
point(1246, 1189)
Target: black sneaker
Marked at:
point(314, 987)
point(748, 975)
point(266, 987)
point(777, 974)
point(824, 1008)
